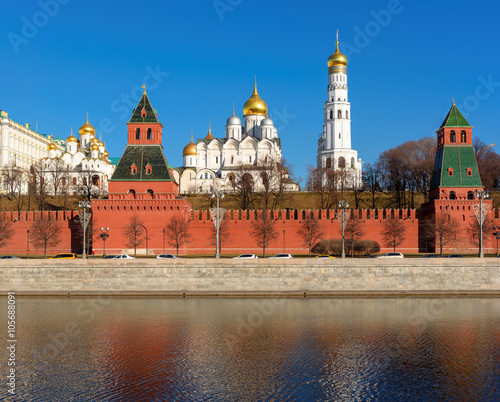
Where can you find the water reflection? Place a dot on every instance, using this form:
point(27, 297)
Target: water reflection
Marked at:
point(257, 349)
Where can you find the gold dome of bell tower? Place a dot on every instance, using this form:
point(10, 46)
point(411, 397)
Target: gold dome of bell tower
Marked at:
point(337, 62)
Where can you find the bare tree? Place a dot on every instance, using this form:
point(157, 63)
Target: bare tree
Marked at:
point(177, 232)
point(40, 186)
point(284, 178)
point(243, 186)
point(264, 232)
point(442, 229)
point(86, 189)
point(353, 231)
point(372, 177)
point(310, 231)
point(45, 233)
point(134, 233)
point(15, 180)
point(56, 172)
point(6, 231)
point(474, 231)
point(488, 163)
point(394, 232)
point(324, 181)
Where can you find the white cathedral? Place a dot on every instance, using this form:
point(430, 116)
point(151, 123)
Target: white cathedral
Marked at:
point(84, 162)
point(334, 144)
point(215, 163)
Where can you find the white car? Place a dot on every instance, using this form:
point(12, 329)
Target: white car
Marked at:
point(282, 255)
point(392, 255)
point(124, 257)
point(166, 256)
point(246, 256)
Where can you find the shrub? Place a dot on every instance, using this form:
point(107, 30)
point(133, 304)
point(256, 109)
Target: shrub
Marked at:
point(334, 247)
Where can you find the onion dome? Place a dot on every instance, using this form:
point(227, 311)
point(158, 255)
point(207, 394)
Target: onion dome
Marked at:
point(94, 140)
point(266, 122)
point(233, 120)
point(189, 149)
point(255, 105)
point(106, 154)
point(209, 135)
point(51, 146)
point(337, 62)
point(87, 128)
point(94, 147)
point(71, 138)
point(101, 144)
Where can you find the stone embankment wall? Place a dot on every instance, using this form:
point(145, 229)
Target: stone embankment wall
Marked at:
point(194, 277)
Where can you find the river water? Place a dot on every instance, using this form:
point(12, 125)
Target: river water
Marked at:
point(152, 349)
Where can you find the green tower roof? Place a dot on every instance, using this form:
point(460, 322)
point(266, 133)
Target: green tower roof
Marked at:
point(455, 119)
point(144, 104)
point(459, 159)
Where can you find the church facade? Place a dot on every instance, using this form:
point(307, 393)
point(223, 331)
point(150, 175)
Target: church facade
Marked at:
point(250, 148)
point(334, 144)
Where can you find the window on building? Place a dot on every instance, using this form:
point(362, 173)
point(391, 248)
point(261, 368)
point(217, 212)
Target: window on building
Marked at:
point(463, 136)
point(341, 162)
point(150, 192)
point(339, 114)
point(469, 172)
point(249, 159)
point(470, 195)
point(453, 195)
point(201, 189)
point(63, 181)
point(216, 159)
point(346, 114)
point(353, 163)
point(74, 181)
point(137, 133)
point(206, 175)
point(450, 171)
point(452, 136)
point(232, 160)
point(331, 114)
point(328, 162)
point(149, 136)
point(211, 189)
point(84, 181)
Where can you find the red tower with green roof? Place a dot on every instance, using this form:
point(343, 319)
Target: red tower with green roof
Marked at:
point(455, 180)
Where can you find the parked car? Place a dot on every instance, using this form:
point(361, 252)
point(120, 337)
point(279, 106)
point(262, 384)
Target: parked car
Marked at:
point(64, 256)
point(108, 256)
point(8, 257)
point(431, 256)
point(455, 256)
point(166, 256)
point(321, 257)
point(246, 256)
point(282, 255)
point(124, 257)
point(392, 255)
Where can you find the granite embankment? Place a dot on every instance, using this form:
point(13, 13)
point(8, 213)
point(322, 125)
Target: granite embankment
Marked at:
point(298, 277)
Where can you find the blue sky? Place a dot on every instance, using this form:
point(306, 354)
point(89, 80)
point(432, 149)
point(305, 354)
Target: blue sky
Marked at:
point(407, 60)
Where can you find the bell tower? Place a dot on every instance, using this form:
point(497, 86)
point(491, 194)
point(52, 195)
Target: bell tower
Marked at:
point(144, 127)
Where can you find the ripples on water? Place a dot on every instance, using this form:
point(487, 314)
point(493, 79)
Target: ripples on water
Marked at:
point(116, 349)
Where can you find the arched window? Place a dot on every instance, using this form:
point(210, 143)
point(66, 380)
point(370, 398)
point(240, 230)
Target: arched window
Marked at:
point(206, 175)
point(469, 172)
point(341, 162)
point(339, 114)
point(74, 181)
point(453, 196)
point(150, 192)
point(450, 171)
point(331, 114)
point(148, 169)
point(232, 160)
point(149, 134)
point(353, 163)
point(64, 181)
point(346, 114)
point(470, 195)
point(452, 136)
point(133, 169)
point(84, 181)
point(463, 136)
point(328, 162)
point(132, 192)
point(137, 133)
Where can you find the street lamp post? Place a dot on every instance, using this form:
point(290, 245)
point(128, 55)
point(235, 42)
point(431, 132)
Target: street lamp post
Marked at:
point(104, 236)
point(218, 194)
point(343, 204)
point(28, 244)
point(146, 229)
point(284, 249)
point(481, 194)
point(84, 205)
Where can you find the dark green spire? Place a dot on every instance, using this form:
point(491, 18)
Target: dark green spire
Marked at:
point(144, 105)
point(454, 118)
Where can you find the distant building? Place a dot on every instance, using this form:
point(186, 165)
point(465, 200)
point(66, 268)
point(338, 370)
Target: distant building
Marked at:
point(84, 162)
point(21, 147)
point(252, 149)
point(334, 144)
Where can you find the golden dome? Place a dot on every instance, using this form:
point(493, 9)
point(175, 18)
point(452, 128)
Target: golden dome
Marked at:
point(255, 105)
point(94, 147)
point(106, 154)
point(71, 138)
point(87, 129)
point(337, 58)
point(189, 149)
point(101, 144)
point(209, 136)
point(51, 146)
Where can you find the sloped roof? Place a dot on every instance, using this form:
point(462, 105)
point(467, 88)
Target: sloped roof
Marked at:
point(455, 119)
point(145, 104)
point(141, 156)
point(459, 158)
